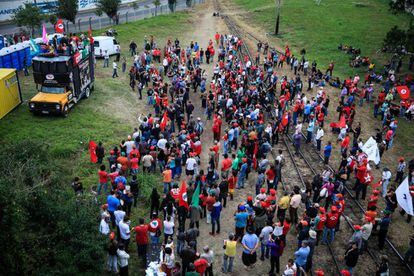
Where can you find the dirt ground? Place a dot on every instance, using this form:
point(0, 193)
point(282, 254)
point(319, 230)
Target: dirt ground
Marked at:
point(205, 26)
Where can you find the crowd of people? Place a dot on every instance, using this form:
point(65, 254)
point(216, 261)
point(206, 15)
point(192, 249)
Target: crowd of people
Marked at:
point(246, 106)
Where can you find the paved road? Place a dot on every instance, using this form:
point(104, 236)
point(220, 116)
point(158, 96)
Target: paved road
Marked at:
point(145, 8)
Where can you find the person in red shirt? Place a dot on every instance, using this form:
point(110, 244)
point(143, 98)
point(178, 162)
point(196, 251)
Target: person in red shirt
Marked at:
point(154, 229)
point(226, 165)
point(388, 138)
point(361, 171)
point(345, 144)
point(201, 265)
point(232, 184)
point(331, 222)
point(270, 177)
point(141, 238)
point(103, 179)
point(134, 164)
point(320, 224)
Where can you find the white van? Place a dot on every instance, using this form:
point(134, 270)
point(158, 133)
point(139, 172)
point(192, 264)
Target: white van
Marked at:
point(105, 43)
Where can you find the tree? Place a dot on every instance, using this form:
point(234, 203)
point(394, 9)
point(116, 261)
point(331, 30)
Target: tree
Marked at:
point(156, 3)
point(52, 19)
point(42, 221)
point(394, 39)
point(29, 16)
point(109, 7)
point(172, 4)
point(401, 6)
point(410, 38)
point(67, 9)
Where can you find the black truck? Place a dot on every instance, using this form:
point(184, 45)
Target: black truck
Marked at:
point(62, 81)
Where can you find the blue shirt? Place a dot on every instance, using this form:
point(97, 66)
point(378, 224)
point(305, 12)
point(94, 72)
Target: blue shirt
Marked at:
point(113, 203)
point(327, 150)
point(250, 241)
point(241, 219)
point(301, 255)
point(307, 109)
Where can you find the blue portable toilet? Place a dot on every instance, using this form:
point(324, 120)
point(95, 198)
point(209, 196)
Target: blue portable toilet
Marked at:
point(15, 57)
point(5, 56)
point(22, 54)
point(1, 42)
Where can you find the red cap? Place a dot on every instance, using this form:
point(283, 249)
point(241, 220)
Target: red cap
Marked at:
point(304, 222)
point(376, 192)
point(244, 160)
point(249, 198)
point(262, 190)
point(322, 210)
point(152, 148)
point(112, 236)
point(104, 206)
point(264, 204)
point(319, 272)
point(272, 191)
point(345, 272)
point(357, 227)
point(334, 209)
point(111, 152)
point(401, 159)
point(339, 196)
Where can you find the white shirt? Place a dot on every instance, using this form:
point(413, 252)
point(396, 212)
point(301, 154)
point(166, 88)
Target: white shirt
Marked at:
point(104, 227)
point(386, 175)
point(265, 234)
point(366, 230)
point(124, 230)
point(122, 258)
point(290, 270)
point(119, 216)
point(168, 227)
point(129, 145)
point(190, 164)
point(114, 65)
point(165, 62)
point(161, 143)
point(319, 134)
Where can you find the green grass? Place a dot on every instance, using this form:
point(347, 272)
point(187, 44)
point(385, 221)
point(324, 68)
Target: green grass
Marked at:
point(320, 29)
point(109, 115)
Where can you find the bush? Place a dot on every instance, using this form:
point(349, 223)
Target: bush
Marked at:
point(45, 229)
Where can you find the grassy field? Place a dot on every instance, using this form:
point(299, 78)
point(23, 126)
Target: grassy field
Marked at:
point(109, 115)
point(320, 29)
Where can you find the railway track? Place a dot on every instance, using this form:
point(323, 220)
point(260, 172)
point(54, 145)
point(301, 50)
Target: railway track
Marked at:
point(396, 260)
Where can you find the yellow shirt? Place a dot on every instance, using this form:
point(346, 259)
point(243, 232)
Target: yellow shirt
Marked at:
point(284, 202)
point(231, 248)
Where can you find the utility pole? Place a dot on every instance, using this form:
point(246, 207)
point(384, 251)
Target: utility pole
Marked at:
point(277, 2)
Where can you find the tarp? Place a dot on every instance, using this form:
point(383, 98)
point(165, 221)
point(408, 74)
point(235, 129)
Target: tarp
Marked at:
point(371, 149)
point(404, 198)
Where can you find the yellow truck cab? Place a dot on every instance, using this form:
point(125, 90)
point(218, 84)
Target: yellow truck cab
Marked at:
point(61, 82)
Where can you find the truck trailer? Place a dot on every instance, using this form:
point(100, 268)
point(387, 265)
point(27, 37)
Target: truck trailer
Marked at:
point(62, 81)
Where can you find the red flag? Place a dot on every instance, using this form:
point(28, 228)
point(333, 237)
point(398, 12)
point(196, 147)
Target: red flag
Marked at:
point(342, 122)
point(285, 119)
point(91, 40)
point(92, 152)
point(183, 195)
point(164, 121)
point(59, 26)
point(404, 92)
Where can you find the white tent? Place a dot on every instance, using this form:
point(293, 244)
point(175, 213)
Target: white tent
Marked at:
point(371, 149)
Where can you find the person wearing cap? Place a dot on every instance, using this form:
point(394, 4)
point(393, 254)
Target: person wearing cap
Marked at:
point(366, 231)
point(240, 218)
point(356, 237)
point(311, 243)
point(319, 223)
point(303, 232)
point(301, 256)
point(351, 256)
point(112, 248)
point(104, 225)
point(103, 179)
point(331, 222)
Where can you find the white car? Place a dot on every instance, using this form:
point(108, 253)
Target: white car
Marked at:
point(105, 43)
